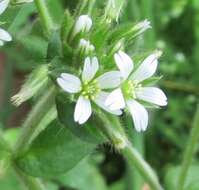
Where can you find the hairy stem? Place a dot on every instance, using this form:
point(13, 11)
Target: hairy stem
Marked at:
point(117, 136)
point(44, 15)
point(31, 122)
point(189, 151)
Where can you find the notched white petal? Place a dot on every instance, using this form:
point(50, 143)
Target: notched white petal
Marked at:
point(115, 100)
point(153, 95)
point(69, 83)
point(91, 66)
point(100, 101)
point(147, 68)
point(3, 5)
point(82, 110)
point(4, 35)
point(139, 115)
point(124, 63)
point(109, 80)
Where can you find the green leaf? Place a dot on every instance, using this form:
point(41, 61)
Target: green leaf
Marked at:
point(35, 46)
point(54, 46)
point(9, 181)
point(87, 132)
point(11, 135)
point(55, 151)
point(88, 179)
point(17, 17)
point(191, 182)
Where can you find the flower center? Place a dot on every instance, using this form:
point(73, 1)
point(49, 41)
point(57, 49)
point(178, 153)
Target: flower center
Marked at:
point(90, 89)
point(129, 88)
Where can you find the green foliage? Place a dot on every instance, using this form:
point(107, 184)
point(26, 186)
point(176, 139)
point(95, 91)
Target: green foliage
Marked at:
point(83, 180)
point(61, 149)
point(53, 152)
point(191, 182)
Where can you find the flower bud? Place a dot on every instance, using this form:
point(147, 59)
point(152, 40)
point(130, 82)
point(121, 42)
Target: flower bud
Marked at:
point(142, 26)
point(37, 81)
point(3, 5)
point(83, 24)
point(85, 46)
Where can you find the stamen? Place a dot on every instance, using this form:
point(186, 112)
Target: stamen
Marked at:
point(90, 89)
point(129, 88)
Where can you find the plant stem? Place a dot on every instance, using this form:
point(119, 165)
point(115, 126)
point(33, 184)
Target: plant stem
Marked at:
point(44, 15)
point(189, 151)
point(31, 123)
point(181, 87)
point(117, 136)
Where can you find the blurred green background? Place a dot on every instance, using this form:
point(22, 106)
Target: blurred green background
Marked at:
point(176, 32)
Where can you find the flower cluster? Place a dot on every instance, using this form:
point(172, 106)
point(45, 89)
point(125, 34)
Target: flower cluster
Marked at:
point(128, 89)
point(4, 35)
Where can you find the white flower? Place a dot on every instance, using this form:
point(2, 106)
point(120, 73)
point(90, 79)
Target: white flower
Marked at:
point(3, 5)
point(4, 37)
point(132, 90)
point(89, 88)
point(83, 24)
point(86, 46)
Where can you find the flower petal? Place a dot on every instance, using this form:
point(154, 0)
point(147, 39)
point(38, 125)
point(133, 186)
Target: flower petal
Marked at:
point(82, 110)
point(139, 115)
point(83, 24)
point(110, 79)
point(69, 83)
point(5, 36)
point(91, 66)
point(147, 68)
point(124, 63)
point(115, 100)
point(153, 95)
point(3, 5)
point(1, 43)
point(100, 101)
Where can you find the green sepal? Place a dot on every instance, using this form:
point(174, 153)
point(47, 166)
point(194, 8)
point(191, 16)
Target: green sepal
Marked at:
point(54, 46)
point(151, 81)
point(66, 26)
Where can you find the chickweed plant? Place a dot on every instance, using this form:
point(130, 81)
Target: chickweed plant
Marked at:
point(88, 84)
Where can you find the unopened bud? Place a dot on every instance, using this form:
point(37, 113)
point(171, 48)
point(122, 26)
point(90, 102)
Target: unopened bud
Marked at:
point(142, 26)
point(86, 46)
point(83, 24)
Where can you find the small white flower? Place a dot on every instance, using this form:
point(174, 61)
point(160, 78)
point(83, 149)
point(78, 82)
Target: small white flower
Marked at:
point(83, 24)
point(132, 90)
point(89, 88)
point(4, 37)
point(3, 5)
point(86, 46)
